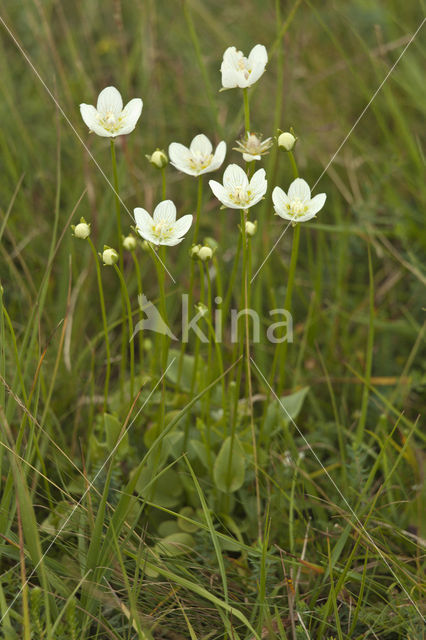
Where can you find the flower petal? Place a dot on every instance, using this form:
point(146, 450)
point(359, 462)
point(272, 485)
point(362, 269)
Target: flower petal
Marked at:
point(230, 77)
point(218, 190)
point(131, 114)
point(258, 55)
point(109, 99)
point(219, 156)
point(142, 218)
point(234, 176)
point(89, 113)
point(201, 144)
point(165, 211)
point(281, 200)
point(258, 183)
point(317, 203)
point(179, 157)
point(182, 225)
point(299, 188)
point(248, 157)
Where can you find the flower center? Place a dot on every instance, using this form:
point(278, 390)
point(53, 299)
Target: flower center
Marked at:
point(240, 195)
point(243, 65)
point(109, 121)
point(162, 230)
point(297, 207)
point(199, 161)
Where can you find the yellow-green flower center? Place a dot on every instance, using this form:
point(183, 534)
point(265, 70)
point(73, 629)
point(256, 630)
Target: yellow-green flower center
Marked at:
point(162, 230)
point(199, 161)
point(110, 121)
point(297, 208)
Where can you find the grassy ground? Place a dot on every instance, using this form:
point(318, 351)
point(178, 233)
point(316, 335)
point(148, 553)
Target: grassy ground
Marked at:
point(245, 500)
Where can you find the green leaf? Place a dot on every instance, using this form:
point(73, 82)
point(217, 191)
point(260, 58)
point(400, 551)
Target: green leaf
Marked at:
point(176, 544)
point(112, 433)
point(187, 367)
point(287, 409)
point(229, 467)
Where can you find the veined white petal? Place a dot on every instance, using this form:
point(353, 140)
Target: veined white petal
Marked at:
point(219, 156)
point(249, 158)
point(165, 211)
point(88, 113)
point(179, 157)
point(182, 225)
point(231, 57)
point(131, 114)
point(142, 218)
point(109, 99)
point(218, 190)
point(258, 55)
point(280, 200)
point(258, 183)
point(234, 176)
point(299, 188)
point(171, 242)
point(201, 144)
point(230, 77)
point(317, 203)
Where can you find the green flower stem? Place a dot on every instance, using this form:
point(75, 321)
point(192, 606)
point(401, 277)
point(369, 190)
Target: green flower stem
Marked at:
point(141, 314)
point(164, 339)
point(121, 263)
point(163, 183)
point(130, 321)
point(281, 350)
point(198, 211)
point(192, 271)
point(246, 111)
point(197, 339)
point(104, 322)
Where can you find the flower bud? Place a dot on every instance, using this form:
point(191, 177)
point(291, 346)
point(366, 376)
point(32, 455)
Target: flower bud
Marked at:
point(159, 159)
point(286, 141)
point(129, 243)
point(205, 253)
point(82, 229)
point(109, 256)
point(194, 251)
point(201, 308)
point(251, 228)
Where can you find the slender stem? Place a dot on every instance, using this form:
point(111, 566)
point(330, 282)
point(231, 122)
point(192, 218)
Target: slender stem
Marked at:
point(121, 263)
point(198, 211)
point(246, 111)
point(104, 322)
point(164, 339)
point(247, 263)
point(163, 183)
point(140, 291)
point(130, 321)
point(369, 355)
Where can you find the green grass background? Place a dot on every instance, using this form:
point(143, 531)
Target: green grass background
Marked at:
point(105, 576)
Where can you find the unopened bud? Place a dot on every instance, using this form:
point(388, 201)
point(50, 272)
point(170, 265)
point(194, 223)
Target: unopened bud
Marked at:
point(159, 159)
point(194, 251)
point(109, 256)
point(129, 243)
point(82, 229)
point(205, 253)
point(286, 141)
point(251, 228)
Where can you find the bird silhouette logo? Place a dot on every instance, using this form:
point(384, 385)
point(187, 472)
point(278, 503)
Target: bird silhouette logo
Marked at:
point(153, 321)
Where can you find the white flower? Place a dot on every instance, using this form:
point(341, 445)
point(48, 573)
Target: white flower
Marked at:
point(198, 159)
point(162, 227)
point(287, 141)
point(253, 147)
point(109, 256)
point(238, 71)
point(297, 205)
point(237, 192)
point(109, 119)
